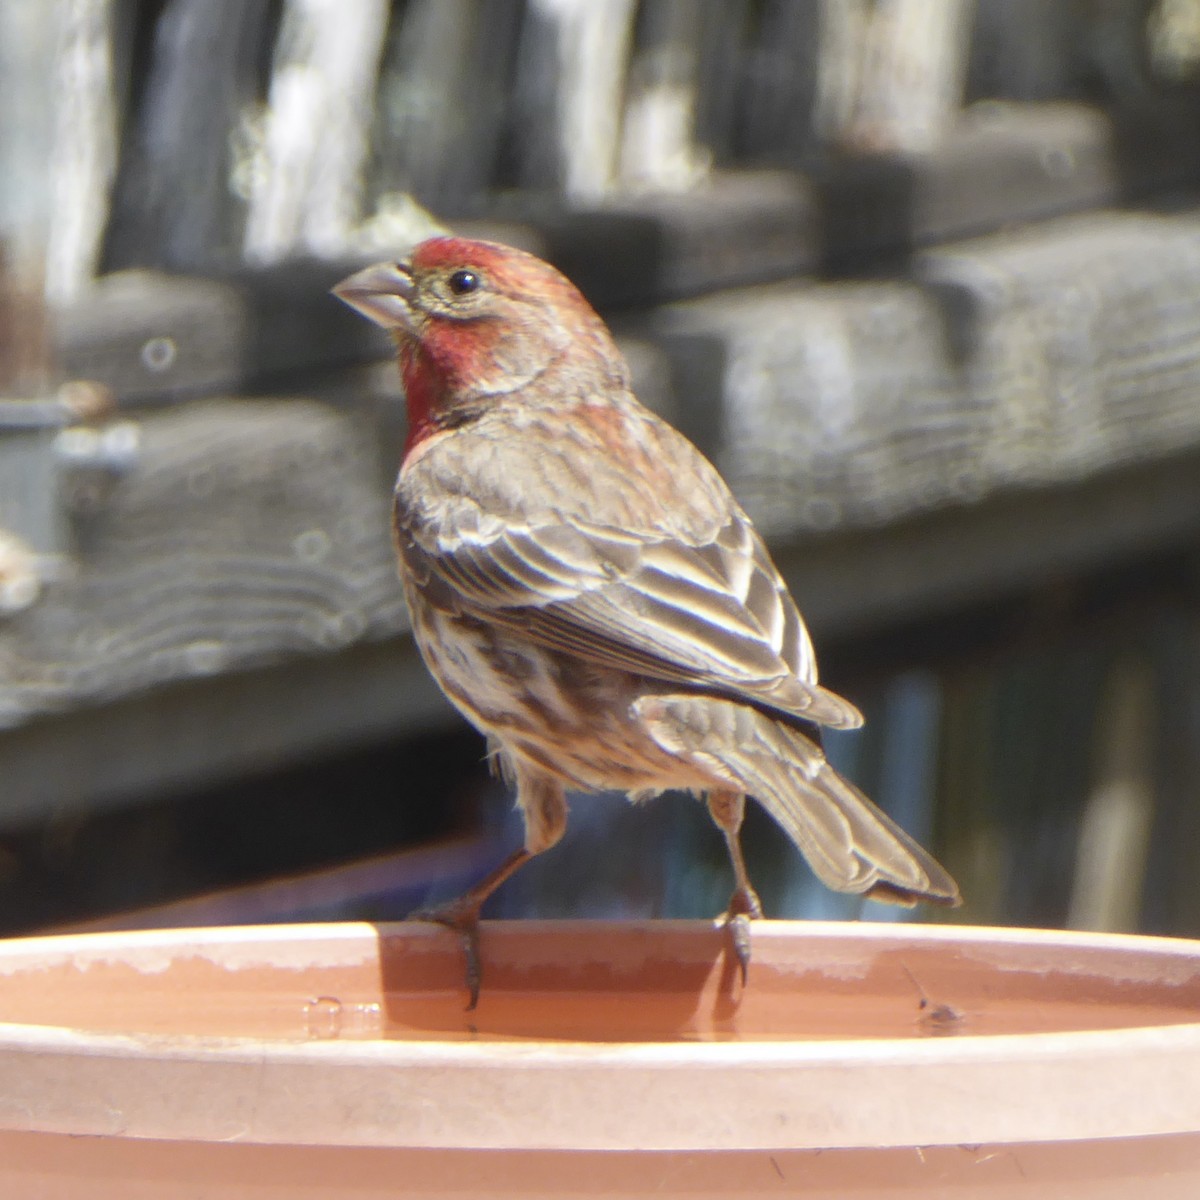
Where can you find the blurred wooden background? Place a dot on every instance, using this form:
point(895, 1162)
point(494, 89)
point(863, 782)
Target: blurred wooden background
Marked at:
point(921, 278)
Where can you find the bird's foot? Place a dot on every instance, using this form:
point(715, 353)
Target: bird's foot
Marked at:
point(744, 906)
point(461, 916)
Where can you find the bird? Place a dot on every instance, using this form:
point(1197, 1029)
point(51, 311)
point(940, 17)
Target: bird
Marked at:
point(588, 593)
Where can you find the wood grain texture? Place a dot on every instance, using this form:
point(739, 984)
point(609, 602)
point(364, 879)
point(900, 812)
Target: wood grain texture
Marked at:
point(249, 532)
point(1035, 358)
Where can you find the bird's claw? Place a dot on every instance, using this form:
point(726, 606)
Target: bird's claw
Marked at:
point(462, 919)
point(744, 906)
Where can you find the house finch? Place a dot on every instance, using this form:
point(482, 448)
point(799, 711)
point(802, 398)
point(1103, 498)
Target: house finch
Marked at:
point(587, 592)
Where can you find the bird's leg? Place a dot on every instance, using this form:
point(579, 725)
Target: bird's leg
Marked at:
point(462, 916)
point(727, 809)
point(543, 802)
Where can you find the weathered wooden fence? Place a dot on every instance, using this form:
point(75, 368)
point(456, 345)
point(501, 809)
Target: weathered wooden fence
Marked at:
point(921, 278)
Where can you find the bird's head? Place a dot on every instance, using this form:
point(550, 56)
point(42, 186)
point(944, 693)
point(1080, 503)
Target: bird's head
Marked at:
point(477, 321)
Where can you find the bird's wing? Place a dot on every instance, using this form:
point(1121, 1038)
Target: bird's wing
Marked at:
point(716, 615)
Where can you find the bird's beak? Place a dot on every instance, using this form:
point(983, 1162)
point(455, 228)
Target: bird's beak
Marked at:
point(381, 293)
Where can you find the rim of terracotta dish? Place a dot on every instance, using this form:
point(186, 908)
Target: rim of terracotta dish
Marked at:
point(237, 941)
point(880, 1092)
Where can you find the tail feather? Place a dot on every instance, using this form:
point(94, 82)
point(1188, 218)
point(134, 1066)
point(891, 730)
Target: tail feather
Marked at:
point(850, 844)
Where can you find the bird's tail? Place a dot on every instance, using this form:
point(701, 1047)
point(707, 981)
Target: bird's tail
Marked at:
point(850, 844)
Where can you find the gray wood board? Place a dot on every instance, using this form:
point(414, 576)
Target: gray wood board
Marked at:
point(152, 337)
point(247, 533)
point(935, 563)
point(1017, 360)
point(202, 730)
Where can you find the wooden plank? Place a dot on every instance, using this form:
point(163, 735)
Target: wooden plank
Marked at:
point(629, 250)
point(723, 56)
point(854, 583)
point(173, 206)
point(567, 93)
point(910, 84)
point(660, 150)
point(585, 79)
point(442, 110)
point(82, 162)
point(26, 122)
point(1024, 359)
point(783, 82)
point(152, 337)
point(246, 533)
point(1003, 165)
point(1024, 50)
point(305, 178)
point(202, 732)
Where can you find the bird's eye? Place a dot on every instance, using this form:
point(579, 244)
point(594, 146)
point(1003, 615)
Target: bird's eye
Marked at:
point(463, 282)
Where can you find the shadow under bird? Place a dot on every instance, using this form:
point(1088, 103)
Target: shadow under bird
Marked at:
point(587, 592)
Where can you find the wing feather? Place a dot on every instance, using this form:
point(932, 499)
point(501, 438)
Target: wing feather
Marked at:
point(716, 615)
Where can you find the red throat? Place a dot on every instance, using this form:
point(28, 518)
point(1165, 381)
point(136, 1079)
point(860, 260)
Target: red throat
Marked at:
point(422, 390)
point(436, 370)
